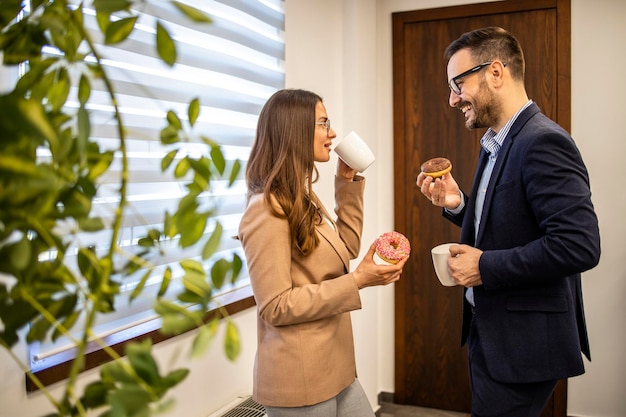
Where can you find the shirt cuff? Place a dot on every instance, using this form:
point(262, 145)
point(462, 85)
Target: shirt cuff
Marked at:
point(459, 208)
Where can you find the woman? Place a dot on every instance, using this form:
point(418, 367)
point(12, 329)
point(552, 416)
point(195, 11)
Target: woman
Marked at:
point(299, 261)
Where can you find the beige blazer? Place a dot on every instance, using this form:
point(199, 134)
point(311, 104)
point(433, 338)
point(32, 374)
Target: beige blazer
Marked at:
point(305, 351)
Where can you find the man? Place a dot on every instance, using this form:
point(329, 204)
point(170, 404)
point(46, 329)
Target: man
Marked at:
point(528, 229)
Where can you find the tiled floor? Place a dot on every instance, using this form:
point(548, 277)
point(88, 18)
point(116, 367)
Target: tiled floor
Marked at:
point(395, 410)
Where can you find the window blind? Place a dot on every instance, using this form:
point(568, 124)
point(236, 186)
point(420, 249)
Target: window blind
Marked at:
point(232, 66)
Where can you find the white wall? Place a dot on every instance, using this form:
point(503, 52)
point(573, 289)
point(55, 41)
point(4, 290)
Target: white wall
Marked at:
point(341, 49)
point(331, 49)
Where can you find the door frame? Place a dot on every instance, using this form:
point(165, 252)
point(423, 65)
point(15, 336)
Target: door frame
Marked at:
point(403, 200)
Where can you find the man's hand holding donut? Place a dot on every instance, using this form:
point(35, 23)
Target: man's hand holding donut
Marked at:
point(442, 192)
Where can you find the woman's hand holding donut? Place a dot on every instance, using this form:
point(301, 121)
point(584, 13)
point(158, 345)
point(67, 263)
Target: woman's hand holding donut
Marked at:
point(344, 171)
point(369, 274)
point(442, 192)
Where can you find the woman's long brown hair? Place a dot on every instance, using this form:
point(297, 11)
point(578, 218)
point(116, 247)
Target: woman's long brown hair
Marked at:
point(281, 163)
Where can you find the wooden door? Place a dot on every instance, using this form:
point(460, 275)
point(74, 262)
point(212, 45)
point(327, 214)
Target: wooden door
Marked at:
point(430, 365)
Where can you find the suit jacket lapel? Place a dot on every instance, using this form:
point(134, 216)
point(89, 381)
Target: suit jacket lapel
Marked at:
point(332, 237)
point(493, 180)
point(503, 154)
point(468, 232)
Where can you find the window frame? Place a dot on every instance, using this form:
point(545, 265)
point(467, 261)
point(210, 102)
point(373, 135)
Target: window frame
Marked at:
point(55, 367)
point(233, 302)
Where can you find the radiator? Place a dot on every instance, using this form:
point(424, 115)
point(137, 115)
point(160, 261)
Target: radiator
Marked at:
point(241, 407)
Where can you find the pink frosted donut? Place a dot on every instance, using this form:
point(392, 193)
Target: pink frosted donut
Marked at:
point(392, 247)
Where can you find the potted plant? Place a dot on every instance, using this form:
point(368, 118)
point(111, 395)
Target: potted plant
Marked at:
point(49, 296)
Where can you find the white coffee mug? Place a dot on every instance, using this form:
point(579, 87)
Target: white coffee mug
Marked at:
point(354, 151)
point(441, 254)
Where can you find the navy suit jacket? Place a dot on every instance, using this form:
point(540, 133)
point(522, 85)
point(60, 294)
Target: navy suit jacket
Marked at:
point(538, 231)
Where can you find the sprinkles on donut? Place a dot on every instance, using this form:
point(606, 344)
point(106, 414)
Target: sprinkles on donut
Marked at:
point(391, 248)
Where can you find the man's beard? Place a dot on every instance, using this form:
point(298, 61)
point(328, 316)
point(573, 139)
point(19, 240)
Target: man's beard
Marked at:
point(486, 109)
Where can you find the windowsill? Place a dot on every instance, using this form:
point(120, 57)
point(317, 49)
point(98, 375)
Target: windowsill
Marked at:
point(57, 366)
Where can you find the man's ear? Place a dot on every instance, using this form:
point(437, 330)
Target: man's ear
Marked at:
point(496, 73)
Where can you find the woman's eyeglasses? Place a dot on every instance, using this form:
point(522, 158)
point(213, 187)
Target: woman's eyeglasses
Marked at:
point(326, 124)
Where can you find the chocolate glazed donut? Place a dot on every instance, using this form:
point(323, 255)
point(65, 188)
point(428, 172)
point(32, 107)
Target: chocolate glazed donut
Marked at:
point(436, 167)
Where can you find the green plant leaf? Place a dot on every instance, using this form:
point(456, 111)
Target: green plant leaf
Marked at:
point(202, 168)
point(60, 90)
point(142, 283)
point(208, 141)
point(115, 372)
point(22, 42)
point(111, 6)
point(237, 265)
point(191, 266)
point(103, 18)
point(218, 159)
point(166, 47)
point(102, 163)
point(91, 224)
point(176, 324)
point(168, 159)
point(9, 10)
point(76, 203)
point(189, 297)
point(84, 130)
point(232, 342)
point(38, 330)
point(131, 401)
point(174, 120)
point(146, 242)
point(193, 111)
point(21, 254)
point(181, 168)
point(84, 89)
point(164, 307)
point(197, 284)
point(174, 378)
point(33, 113)
point(218, 272)
point(37, 69)
point(192, 13)
point(119, 30)
point(57, 308)
point(234, 172)
point(213, 242)
point(169, 135)
point(68, 324)
point(88, 263)
point(165, 282)
point(140, 357)
point(169, 225)
point(15, 165)
point(191, 225)
point(203, 338)
point(95, 394)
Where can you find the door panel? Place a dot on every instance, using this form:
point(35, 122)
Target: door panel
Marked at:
point(431, 366)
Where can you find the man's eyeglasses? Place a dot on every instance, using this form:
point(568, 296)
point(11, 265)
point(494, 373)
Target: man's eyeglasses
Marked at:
point(455, 87)
point(326, 124)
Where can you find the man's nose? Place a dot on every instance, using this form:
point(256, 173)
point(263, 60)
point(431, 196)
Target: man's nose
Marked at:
point(454, 99)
